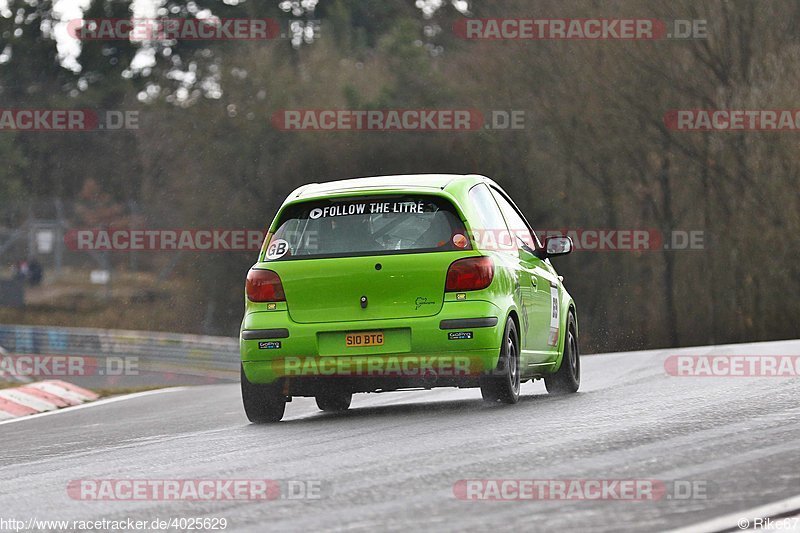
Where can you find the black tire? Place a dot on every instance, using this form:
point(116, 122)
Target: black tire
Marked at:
point(502, 385)
point(334, 401)
point(567, 379)
point(263, 404)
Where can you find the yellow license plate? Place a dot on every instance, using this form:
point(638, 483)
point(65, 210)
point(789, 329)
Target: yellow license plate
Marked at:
point(366, 338)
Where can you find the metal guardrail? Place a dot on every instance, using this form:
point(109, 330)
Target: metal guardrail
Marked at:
point(121, 358)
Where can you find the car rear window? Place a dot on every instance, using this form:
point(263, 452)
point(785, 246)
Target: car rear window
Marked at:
point(379, 225)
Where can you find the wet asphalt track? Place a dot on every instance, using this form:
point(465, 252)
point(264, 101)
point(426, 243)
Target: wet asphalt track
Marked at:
point(391, 461)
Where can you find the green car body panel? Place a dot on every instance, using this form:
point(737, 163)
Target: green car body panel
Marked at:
point(405, 292)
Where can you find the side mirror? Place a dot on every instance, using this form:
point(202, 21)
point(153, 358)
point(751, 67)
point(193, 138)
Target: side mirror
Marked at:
point(554, 246)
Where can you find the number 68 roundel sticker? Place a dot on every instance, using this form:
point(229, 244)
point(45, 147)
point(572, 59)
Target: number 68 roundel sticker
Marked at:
point(277, 249)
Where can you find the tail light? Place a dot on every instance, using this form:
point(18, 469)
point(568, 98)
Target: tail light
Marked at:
point(264, 286)
point(470, 274)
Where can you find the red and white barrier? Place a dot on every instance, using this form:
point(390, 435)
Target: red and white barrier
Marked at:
point(28, 400)
point(42, 396)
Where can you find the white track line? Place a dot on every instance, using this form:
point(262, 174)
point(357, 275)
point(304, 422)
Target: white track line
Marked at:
point(93, 404)
point(731, 521)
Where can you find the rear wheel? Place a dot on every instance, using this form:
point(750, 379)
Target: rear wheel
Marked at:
point(568, 377)
point(262, 403)
point(334, 401)
point(502, 385)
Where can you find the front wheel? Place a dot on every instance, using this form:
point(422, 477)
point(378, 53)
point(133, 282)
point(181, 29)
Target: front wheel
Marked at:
point(502, 385)
point(262, 403)
point(567, 378)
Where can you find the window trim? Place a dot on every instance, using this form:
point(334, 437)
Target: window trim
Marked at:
point(507, 198)
point(500, 211)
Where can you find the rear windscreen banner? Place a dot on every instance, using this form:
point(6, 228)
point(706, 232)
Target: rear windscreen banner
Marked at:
point(371, 208)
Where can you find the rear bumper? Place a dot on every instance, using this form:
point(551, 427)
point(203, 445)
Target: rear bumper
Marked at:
point(451, 348)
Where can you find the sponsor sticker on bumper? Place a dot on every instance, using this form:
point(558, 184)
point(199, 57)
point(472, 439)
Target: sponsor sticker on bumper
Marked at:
point(269, 345)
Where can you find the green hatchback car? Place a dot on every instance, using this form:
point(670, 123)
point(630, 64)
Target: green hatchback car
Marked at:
point(400, 282)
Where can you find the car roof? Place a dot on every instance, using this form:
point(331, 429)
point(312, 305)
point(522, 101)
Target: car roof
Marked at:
point(404, 182)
